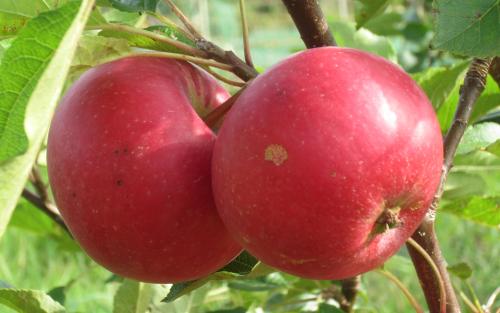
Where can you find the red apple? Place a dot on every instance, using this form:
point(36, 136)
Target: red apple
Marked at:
point(129, 165)
point(327, 163)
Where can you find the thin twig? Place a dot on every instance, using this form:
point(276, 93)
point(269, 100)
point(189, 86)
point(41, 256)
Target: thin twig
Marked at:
point(246, 41)
point(39, 203)
point(430, 262)
point(425, 235)
point(350, 288)
point(311, 23)
point(414, 303)
point(184, 19)
point(241, 68)
point(152, 35)
point(183, 57)
point(491, 300)
point(469, 303)
point(223, 78)
point(166, 21)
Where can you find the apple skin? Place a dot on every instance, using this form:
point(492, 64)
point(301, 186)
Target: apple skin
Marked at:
point(129, 164)
point(317, 152)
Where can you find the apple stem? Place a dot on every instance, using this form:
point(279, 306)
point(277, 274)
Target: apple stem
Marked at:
point(414, 303)
point(425, 235)
point(246, 41)
point(214, 116)
point(223, 78)
point(311, 23)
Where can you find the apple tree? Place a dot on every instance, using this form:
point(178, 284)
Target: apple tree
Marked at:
point(259, 156)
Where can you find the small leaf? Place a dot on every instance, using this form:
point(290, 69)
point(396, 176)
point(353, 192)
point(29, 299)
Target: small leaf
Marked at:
point(180, 289)
point(368, 9)
point(32, 76)
point(347, 36)
point(479, 137)
point(132, 297)
point(58, 294)
point(243, 264)
point(439, 82)
point(328, 308)
point(29, 301)
point(135, 5)
point(468, 27)
point(461, 270)
point(234, 310)
point(140, 41)
point(482, 210)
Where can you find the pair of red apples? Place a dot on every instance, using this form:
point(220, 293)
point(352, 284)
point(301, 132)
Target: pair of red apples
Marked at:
point(323, 168)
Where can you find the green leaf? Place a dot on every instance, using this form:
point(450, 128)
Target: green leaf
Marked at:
point(387, 24)
point(494, 148)
point(482, 210)
point(29, 8)
point(135, 5)
point(147, 43)
point(347, 36)
point(132, 297)
point(234, 310)
point(461, 270)
point(328, 308)
point(439, 82)
point(467, 27)
point(11, 23)
point(479, 137)
point(368, 9)
point(32, 76)
point(30, 218)
point(29, 301)
point(95, 50)
point(180, 289)
point(58, 294)
point(242, 265)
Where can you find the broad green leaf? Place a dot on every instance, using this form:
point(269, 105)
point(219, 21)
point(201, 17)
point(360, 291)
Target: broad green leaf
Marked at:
point(439, 82)
point(132, 297)
point(347, 36)
point(147, 43)
point(32, 77)
point(29, 8)
point(58, 294)
point(461, 270)
point(387, 24)
point(368, 9)
point(29, 301)
point(135, 5)
point(468, 27)
point(479, 137)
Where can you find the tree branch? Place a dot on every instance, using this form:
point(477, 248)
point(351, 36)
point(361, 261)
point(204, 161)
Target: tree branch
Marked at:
point(495, 70)
point(240, 67)
point(425, 235)
point(350, 288)
point(39, 203)
point(311, 23)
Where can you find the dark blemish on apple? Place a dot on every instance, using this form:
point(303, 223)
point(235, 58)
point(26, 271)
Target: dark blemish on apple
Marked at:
point(116, 151)
point(73, 194)
point(276, 154)
point(119, 182)
point(333, 174)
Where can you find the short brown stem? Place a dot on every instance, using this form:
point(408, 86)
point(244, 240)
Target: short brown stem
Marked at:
point(350, 289)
